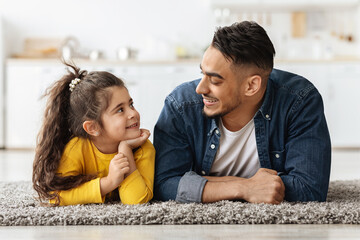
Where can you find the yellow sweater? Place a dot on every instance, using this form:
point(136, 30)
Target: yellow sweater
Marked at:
point(82, 157)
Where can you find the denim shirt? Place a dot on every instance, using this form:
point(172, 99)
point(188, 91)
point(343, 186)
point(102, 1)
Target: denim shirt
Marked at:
point(291, 136)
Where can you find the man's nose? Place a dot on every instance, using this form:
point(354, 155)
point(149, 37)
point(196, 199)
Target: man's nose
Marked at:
point(202, 87)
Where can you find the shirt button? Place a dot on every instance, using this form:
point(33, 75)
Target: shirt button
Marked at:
point(203, 172)
point(277, 155)
point(212, 146)
point(267, 116)
point(217, 131)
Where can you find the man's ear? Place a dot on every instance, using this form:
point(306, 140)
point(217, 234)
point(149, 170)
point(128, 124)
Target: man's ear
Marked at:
point(92, 128)
point(253, 85)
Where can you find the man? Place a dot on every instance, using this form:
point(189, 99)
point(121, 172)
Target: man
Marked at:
point(245, 131)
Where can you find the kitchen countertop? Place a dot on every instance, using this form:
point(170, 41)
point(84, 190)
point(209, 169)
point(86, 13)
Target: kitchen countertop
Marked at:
point(109, 62)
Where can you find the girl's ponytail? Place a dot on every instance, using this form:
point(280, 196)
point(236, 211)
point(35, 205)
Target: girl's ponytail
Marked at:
point(52, 138)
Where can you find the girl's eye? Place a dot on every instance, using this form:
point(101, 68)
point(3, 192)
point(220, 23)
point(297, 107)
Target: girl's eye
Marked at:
point(132, 105)
point(120, 110)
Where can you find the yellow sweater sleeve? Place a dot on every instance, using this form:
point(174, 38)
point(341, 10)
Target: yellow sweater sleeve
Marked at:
point(138, 186)
point(88, 192)
point(73, 163)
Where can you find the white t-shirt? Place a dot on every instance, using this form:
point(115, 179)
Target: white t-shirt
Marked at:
point(237, 154)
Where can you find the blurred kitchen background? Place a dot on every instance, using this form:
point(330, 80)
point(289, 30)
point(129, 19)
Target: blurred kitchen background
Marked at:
point(156, 45)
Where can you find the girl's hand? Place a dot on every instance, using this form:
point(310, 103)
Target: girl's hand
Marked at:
point(119, 166)
point(126, 147)
point(136, 142)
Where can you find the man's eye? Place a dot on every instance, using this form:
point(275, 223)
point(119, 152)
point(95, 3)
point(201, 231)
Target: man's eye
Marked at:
point(215, 82)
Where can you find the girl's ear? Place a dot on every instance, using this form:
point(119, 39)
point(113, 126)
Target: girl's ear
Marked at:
point(92, 128)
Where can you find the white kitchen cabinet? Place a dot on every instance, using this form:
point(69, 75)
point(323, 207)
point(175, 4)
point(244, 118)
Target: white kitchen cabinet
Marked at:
point(2, 76)
point(149, 83)
point(25, 86)
point(156, 83)
point(26, 81)
point(338, 83)
point(344, 105)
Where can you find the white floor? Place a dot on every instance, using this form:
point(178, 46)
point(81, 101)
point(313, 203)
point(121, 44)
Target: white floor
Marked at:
point(201, 232)
point(17, 166)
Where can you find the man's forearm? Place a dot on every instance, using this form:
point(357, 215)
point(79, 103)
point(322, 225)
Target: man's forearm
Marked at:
point(264, 187)
point(217, 189)
point(222, 179)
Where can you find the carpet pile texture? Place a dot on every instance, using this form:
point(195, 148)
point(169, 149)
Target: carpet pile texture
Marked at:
point(19, 208)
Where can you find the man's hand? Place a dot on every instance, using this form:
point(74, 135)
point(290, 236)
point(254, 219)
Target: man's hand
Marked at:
point(264, 187)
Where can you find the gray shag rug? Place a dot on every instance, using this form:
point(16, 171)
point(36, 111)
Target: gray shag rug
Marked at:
point(19, 208)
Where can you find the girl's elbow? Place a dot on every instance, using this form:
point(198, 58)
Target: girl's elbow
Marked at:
point(139, 199)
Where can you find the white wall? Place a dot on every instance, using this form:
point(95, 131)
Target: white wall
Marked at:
point(107, 25)
point(157, 27)
point(2, 93)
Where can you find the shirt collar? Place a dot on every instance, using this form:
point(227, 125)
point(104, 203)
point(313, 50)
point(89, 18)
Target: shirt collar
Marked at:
point(214, 125)
point(266, 107)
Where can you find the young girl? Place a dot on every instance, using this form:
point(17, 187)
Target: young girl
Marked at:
point(90, 148)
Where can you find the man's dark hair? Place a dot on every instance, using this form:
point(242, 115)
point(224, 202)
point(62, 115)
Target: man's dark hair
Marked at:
point(245, 43)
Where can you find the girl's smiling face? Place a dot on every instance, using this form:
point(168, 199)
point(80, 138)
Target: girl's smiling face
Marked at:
point(120, 120)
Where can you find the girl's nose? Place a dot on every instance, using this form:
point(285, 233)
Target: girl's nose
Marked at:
point(132, 113)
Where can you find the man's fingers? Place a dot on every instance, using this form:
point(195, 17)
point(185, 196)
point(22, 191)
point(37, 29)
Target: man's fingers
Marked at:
point(279, 188)
point(271, 171)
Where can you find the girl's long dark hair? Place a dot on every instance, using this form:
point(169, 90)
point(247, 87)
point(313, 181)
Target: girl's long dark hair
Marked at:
point(65, 112)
